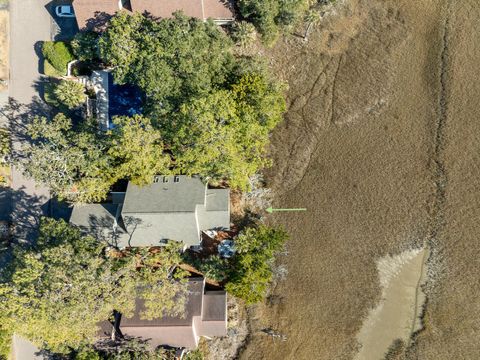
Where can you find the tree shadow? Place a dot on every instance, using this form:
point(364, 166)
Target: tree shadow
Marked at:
point(19, 117)
point(24, 215)
point(110, 229)
point(99, 22)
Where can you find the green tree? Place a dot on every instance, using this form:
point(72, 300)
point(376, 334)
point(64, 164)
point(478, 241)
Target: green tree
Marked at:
point(272, 16)
point(214, 267)
point(74, 164)
point(224, 135)
point(162, 289)
point(252, 265)
point(55, 293)
point(137, 149)
point(171, 60)
point(85, 45)
point(70, 93)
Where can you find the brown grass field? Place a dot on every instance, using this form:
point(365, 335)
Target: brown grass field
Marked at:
point(380, 145)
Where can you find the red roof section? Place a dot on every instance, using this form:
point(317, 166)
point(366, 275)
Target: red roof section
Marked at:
point(93, 14)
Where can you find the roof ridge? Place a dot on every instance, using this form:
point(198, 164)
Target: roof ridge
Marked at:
point(203, 11)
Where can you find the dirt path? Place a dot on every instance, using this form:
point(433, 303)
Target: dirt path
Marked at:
point(379, 145)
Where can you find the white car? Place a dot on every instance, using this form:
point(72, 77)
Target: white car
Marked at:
point(64, 11)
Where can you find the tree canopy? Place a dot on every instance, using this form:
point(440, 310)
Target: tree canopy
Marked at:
point(56, 293)
point(210, 111)
point(80, 164)
point(137, 150)
point(251, 271)
point(272, 16)
point(171, 60)
point(71, 162)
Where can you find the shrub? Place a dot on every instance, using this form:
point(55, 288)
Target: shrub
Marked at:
point(49, 70)
point(243, 33)
point(194, 355)
point(70, 93)
point(58, 54)
point(214, 268)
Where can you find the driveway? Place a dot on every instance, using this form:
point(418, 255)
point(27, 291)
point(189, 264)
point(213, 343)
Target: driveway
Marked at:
point(30, 26)
point(62, 28)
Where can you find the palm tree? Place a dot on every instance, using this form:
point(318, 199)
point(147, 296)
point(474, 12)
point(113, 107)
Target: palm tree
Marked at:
point(70, 93)
point(312, 18)
point(244, 33)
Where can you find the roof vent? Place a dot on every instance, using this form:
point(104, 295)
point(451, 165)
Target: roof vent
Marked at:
point(176, 178)
point(156, 179)
point(165, 179)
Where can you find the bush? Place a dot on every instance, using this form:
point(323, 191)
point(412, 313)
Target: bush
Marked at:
point(49, 70)
point(70, 93)
point(214, 268)
point(58, 54)
point(194, 355)
point(243, 33)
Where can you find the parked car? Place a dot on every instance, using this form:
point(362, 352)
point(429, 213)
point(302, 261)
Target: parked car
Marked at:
point(64, 11)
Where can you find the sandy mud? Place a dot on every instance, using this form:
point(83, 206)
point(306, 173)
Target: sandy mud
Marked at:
point(397, 316)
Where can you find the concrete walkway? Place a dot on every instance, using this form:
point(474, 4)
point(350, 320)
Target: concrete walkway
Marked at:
point(30, 25)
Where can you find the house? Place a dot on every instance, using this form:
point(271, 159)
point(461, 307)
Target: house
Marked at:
point(94, 14)
point(171, 208)
point(205, 315)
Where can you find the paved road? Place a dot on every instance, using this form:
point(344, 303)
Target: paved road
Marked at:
point(30, 25)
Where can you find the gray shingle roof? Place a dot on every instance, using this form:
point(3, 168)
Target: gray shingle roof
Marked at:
point(165, 195)
point(218, 200)
point(94, 215)
point(172, 208)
